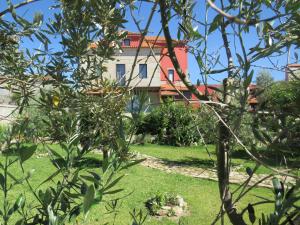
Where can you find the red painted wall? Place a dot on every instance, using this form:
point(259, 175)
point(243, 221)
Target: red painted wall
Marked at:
point(181, 53)
point(165, 61)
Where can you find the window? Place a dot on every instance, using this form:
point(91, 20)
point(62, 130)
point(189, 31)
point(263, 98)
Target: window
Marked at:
point(187, 94)
point(143, 71)
point(126, 42)
point(120, 68)
point(171, 75)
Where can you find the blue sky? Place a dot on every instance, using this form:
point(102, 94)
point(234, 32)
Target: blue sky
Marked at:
point(214, 40)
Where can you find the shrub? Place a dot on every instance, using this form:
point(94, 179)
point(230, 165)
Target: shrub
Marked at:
point(172, 123)
point(206, 121)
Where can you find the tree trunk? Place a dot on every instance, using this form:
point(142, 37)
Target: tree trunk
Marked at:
point(222, 150)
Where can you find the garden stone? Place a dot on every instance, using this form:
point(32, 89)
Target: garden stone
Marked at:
point(177, 210)
point(180, 201)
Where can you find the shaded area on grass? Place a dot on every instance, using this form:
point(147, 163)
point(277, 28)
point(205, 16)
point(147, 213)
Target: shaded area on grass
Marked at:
point(197, 156)
point(190, 162)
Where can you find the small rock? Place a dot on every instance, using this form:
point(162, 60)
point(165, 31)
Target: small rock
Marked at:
point(180, 201)
point(177, 210)
point(162, 212)
point(166, 207)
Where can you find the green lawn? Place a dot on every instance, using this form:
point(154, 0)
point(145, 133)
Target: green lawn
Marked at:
point(201, 195)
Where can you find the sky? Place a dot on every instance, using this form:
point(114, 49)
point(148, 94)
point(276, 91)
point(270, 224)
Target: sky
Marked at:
point(214, 41)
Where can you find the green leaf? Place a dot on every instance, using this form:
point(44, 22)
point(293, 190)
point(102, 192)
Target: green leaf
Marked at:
point(26, 152)
point(251, 213)
point(74, 213)
point(113, 183)
point(248, 80)
point(135, 162)
point(240, 59)
point(249, 171)
point(113, 192)
point(88, 199)
point(51, 177)
point(96, 176)
point(2, 181)
point(277, 185)
point(89, 178)
point(52, 217)
point(20, 200)
point(20, 222)
point(215, 24)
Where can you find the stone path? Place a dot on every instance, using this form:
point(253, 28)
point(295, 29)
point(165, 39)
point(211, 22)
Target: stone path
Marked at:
point(210, 174)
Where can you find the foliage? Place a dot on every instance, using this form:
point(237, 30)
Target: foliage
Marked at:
point(172, 124)
point(192, 190)
point(70, 71)
point(284, 97)
point(264, 79)
point(285, 204)
point(155, 203)
point(206, 122)
point(4, 129)
point(232, 21)
point(35, 129)
point(75, 69)
point(278, 125)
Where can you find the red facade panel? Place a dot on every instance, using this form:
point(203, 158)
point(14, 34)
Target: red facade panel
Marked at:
point(166, 63)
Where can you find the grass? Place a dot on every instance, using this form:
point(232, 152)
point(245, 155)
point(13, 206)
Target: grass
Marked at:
point(201, 195)
point(197, 156)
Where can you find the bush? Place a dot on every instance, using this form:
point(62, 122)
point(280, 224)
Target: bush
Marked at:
point(207, 125)
point(172, 124)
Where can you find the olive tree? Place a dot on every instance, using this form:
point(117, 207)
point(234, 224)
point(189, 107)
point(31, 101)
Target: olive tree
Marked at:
point(65, 63)
point(232, 21)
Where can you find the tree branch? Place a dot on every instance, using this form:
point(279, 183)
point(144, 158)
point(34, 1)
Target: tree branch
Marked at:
point(18, 6)
point(237, 20)
point(181, 74)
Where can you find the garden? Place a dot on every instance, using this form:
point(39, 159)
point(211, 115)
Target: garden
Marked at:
point(140, 184)
point(73, 151)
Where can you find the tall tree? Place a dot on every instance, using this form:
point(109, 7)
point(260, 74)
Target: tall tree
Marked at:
point(264, 79)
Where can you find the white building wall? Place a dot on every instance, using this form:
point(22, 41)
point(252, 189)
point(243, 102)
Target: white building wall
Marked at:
point(127, 58)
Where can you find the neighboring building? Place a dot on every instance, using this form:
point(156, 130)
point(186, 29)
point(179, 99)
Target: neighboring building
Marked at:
point(292, 72)
point(252, 97)
point(7, 106)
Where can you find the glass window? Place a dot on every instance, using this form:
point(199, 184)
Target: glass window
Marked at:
point(143, 71)
point(171, 75)
point(187, 94)
point(120, 68)
point(126, 42)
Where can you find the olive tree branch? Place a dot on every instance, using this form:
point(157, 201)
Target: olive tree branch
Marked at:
point(18, 6)
point(181, 74)
point(235, 19)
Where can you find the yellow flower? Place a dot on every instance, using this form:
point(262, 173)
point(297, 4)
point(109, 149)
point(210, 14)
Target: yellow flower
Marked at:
point(55, 101)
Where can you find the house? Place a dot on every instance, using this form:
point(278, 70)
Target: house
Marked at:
point(153, 72)
point(292, 72)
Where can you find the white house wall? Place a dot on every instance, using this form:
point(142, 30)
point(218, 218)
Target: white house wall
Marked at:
point(127, 58)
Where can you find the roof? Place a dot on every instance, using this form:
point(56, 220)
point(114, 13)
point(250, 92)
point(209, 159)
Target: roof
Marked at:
point(208, 88)
point(153, 41)
point(293, 65)
point(169, 87)
point(168, 93)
